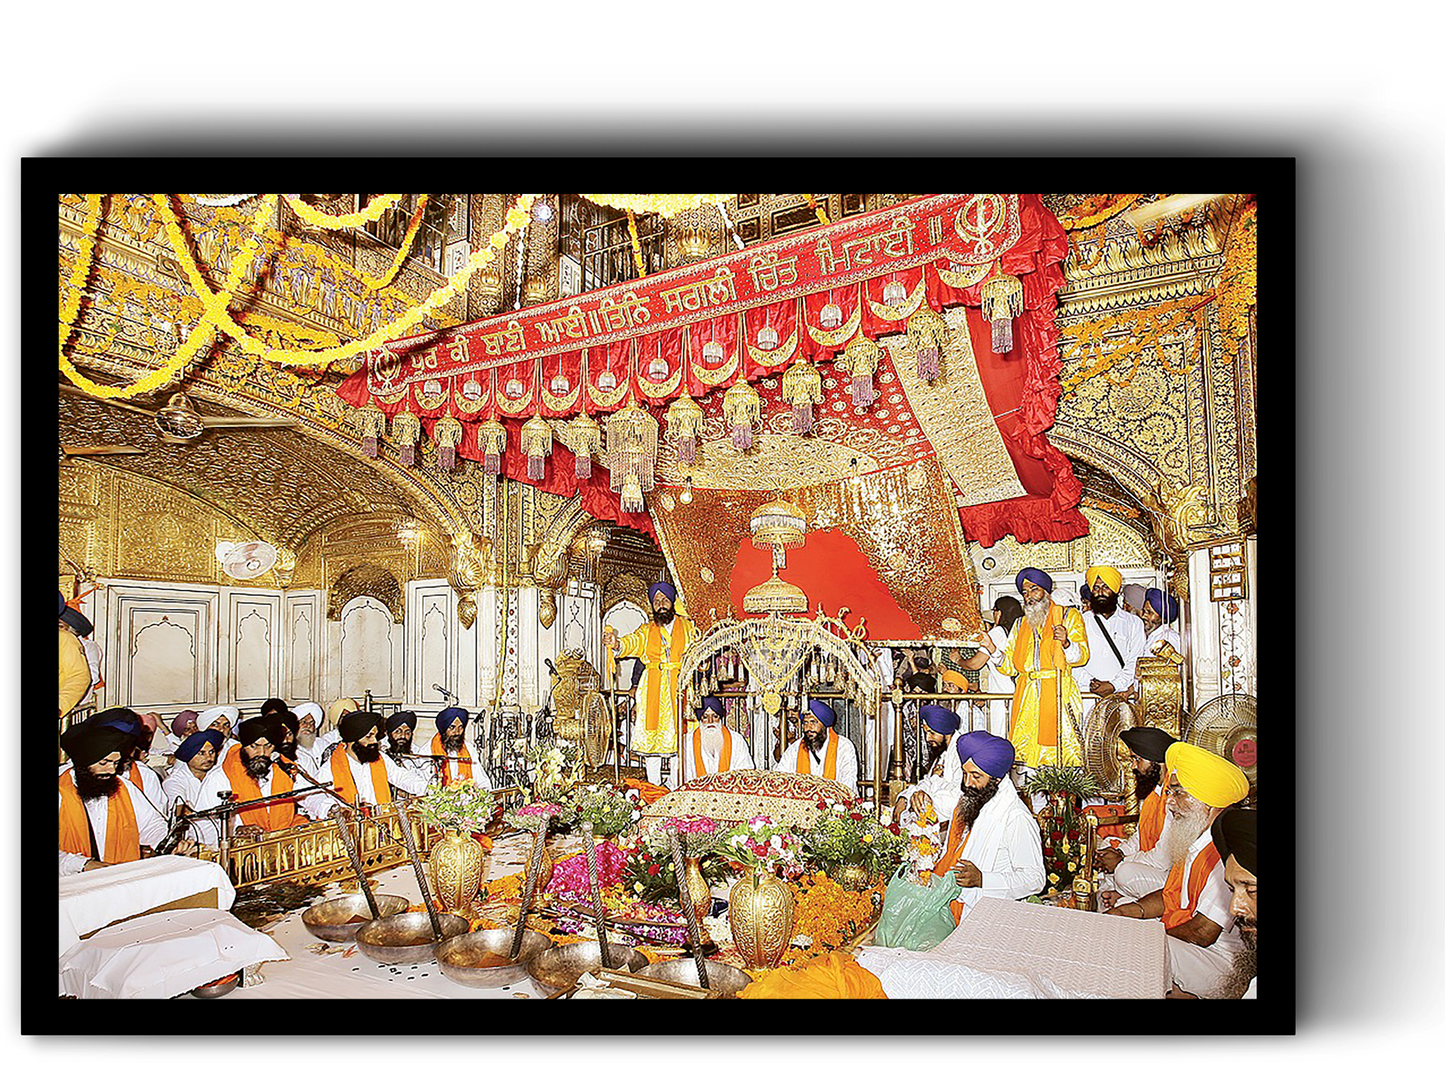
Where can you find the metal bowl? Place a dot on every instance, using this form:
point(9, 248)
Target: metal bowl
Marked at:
point(406, 937)
point(327, 920)
point(728, 980)
point(217, 989)
point(472, 958)
point(559, 967)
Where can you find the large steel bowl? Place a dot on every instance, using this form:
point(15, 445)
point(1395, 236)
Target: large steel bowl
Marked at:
point(559, 967)
point(330, 919)
point(406, 937)
point(721, 978)
point(479, 960)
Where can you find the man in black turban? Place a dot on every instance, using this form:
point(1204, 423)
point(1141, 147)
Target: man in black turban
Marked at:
point(104, 819)
point(360, 771)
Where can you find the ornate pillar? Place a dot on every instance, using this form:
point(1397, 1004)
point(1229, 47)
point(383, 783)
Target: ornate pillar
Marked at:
point(488, 650)
point(529, 684)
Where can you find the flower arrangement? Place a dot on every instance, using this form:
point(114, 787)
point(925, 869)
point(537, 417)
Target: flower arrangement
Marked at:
point(533, 816)
point(1064, 846)
point(844, 835)
point(553, 768)
point(462, 806)
point(569, 877)
point(829, 914)
point(610, 811)
point(650, 874)
point(761, 844)
point(696, 830)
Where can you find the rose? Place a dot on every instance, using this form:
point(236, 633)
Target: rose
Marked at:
point(654, 869)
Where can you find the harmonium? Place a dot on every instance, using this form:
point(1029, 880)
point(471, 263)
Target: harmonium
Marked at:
point(314, 852)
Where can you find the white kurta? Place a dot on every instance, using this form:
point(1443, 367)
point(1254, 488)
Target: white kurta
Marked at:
point(1165, 633)
point(847, 766)
point(150, 826)
point(1005, 845)
point(152, 787)
point(1199, 969)
point(740, 758)
point(944, 784)
point(217, 782)
point(1138, 873)
point(454, 766)
point(94, 656)
point(396, 776)
point(1128, 633)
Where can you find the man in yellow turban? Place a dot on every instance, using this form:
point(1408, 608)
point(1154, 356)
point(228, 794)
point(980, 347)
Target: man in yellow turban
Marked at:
point(1194, 903)
point(1116, 637)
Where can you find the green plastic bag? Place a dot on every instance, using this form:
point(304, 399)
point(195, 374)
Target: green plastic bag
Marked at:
point(914, 916)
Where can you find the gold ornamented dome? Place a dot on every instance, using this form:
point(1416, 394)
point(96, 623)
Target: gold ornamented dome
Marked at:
point(775, 596)
point(778, 524)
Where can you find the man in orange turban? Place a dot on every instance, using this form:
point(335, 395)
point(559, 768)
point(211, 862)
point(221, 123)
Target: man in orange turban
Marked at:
point(1194, 903)
point(1116, 637)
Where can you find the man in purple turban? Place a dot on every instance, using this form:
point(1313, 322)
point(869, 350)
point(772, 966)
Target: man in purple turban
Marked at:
point(940, 773)
point(820, 751)
point(660, 645)
point(1161, 615)
point(1042, 650)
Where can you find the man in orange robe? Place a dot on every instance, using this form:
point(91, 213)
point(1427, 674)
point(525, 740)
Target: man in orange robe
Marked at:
point(1194, 903)
point(104, 819)
point(713, 748)
point(1042, 650)
point(1135, 868)
point(252, 776)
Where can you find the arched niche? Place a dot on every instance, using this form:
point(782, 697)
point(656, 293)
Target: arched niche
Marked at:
point(365, 579)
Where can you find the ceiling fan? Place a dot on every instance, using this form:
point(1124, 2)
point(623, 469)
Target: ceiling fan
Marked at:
point(179, 423)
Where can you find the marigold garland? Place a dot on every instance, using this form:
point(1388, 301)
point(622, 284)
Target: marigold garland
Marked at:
point(813, 203)
point(1098, 209)
point(664, 204)
point(321, 220)
point(636, 244)
point(405, 250)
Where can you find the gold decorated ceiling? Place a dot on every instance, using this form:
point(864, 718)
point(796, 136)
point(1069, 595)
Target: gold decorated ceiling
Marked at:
point(281, 483)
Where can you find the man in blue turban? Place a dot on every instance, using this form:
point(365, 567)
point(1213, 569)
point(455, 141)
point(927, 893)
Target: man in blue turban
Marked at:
point(1042, 649)
point(461, 762)
point(714, 748)
point(660, 645)
point(1160, 615)
point(994, 847)
point(195, 758)
point(940, 773)
point(820, 751)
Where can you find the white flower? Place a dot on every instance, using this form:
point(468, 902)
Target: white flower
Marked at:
point(636, 815)
point(776, 842)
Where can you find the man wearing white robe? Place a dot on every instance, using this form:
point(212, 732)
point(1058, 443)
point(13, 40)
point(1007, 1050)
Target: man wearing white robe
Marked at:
point(309, 717)
point(1006, 613)
point(706, 743)
point(994, 841)
point(97, 750)
point(196, 757)
point(361, 732)
point(1116, 637)
point(223, 720)
point(942, 774)
point(1158, 616)
point(817, 745)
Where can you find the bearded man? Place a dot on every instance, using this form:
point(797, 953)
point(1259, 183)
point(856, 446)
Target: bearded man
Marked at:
point(1134, 867)
point(820, 751)
point(360, 771)
point(1116, 638)
point(253, 775)
point(1042, 647)
point(714, 748)
point(1194, 902)
point(941, 774)
point(1235, 838)
point(132, 765)
point(289, 744)
point(461, 761)
point(104, 818)
point(1158, 616)
point(338, 710)
point(309, 717)
point(195, 758)
point(660, 645)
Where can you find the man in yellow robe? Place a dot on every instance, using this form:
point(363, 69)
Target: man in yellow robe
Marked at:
point(1042, 649)
point(660, 645)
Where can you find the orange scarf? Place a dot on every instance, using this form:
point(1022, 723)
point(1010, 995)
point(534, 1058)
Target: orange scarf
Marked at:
point(464, 757)
point(654, 661)
point(1199, 872)
point(122, 834)
point(724, 760)
point(950, 858)
point(1151, 820)
point(830, 757)
point(1051, 657)
point(342, 781)
point(272, 815)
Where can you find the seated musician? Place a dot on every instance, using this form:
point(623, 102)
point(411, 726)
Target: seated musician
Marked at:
point(820, 751)
point(195, 758)
point(360, 771)
point(104, 818)
point(1194, 903)
point(713, 748)
point(461, 762)
point(941, 774)
point(289, 745)
point(251, 775)
point(1136, 867)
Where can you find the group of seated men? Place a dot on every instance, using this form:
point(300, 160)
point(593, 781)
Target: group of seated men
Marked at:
point(114, 807)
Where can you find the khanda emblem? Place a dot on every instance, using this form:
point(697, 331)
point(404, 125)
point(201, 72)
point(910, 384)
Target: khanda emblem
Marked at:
point(385, 370)
point(979, 222)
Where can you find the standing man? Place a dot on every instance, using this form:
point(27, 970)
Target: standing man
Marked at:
point(660, 645)
point(714, 748)
point(1006, 613)
point(940, 771)
point(1159, 616)
point(82, 627)
point(1044, 644)
point(820, 751)
point(1132, 597)
point(1116, 638)
point(74, 668)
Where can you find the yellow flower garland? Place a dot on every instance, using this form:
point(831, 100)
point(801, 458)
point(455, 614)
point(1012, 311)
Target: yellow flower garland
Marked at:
point(664, 204)
point(636, 244)
point(405, 249)
point(370, 213)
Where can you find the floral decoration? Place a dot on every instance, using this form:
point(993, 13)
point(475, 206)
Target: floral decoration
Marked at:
point(462, 806)
point(763, 844)
point(533, 816)
point(847, 835)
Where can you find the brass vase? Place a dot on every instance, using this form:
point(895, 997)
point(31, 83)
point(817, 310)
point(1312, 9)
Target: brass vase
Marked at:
point(544, 872)
point(760, 912)
point(457, 863)
point(698, 890)
point(854, 877)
